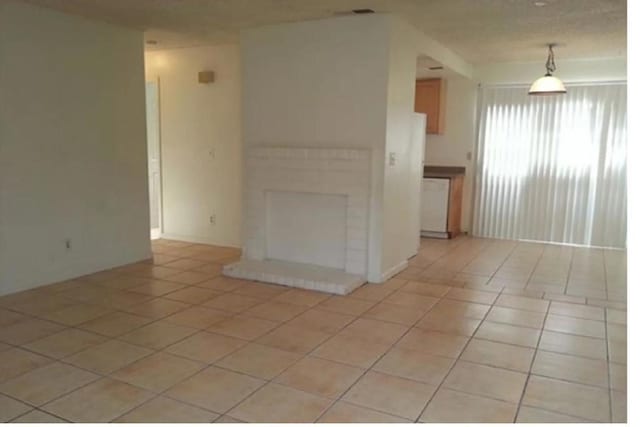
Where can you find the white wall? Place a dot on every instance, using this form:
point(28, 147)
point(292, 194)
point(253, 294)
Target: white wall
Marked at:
point(321, 84)
point(195, 120)
point(402, 179)
point(72, 147)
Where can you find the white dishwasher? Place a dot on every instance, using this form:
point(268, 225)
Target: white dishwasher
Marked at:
point(435, 207)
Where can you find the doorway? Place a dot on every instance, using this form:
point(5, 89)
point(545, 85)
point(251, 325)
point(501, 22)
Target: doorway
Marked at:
point(153, 154)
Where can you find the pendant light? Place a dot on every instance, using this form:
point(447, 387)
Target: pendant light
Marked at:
point(548, 85)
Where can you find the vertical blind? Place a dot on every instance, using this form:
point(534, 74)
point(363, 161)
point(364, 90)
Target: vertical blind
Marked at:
point(553, 168)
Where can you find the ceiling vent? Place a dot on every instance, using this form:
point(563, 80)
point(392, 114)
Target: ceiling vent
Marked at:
point(362, 11)
point(439, 67)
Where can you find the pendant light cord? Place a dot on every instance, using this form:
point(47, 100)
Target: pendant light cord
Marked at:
point(551, 63)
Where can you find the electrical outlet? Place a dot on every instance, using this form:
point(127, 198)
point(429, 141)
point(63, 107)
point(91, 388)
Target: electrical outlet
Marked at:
point(392, 159)
point(212, 219)
point(469, 155)
point(67, 244)
point(212, 153)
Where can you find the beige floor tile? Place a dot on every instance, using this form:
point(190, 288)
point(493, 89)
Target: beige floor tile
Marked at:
point(432, 342)
point(157, 308)
point(461, 309)
point(486, 381)
point(205, 347)
point(101, 401)
point(11, 408)
point(346, 305)
point(527, 414)
point(594, 348)
point(65, 343)
point(618, 407)
point(185, 264)
point(15, 361)
point(508, 334)
point(618, 377)
point(571, 368)
point(115, 324)
point(215, 389)
point(578, 400)
point(372, 292)
point(390, 394)
point(275, 403)
point(158, 335)
point(395, 313)
point(522, 303)
point(123, 282)
point(189, 277)
point(44, 304)
point(8, 317)
point(429, 289)
point(223, 284)
point(375, 331)
point(164, 410)
point(198, 317)
point(225, 419)
point(76, 314)
point(260, 290)
point(471, 295)
point(234, 303)
point(352, 351)
point(157, 288)
point(446, 323)
point(192, 295)
point(342, 412)
point(38, 417)
point(499, 355)
point(449, 406)
point(576, 310)
point(243, 327)
point(107, 357)
point(321, 320)
point(302, 297)
point(121, 299)
point(414, 365)
point(564, 298)
point(320, 377)
point(157, 372)
point(571, 325)
point(46, 383)
point(409, 299)
point(512, 316)
point(259, 361)
point(275, 311)
point(28, 330)
point(297, 340)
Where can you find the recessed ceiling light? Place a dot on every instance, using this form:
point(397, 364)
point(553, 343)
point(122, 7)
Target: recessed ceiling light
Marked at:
point(540, 3)
point(152, 42)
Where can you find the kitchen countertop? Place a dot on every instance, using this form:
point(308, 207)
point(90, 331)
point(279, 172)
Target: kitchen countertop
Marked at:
point(443, 171)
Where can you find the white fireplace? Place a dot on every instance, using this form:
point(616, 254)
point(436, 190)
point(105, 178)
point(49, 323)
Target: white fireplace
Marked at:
point(306, 218)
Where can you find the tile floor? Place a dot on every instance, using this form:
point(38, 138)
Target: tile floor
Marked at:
point(475, 330)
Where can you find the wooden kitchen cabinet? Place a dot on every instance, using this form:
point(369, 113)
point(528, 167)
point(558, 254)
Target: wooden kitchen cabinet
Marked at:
point(430, 101)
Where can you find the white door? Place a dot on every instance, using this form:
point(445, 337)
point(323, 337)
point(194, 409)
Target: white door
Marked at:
point(435, 204)
point(153, 153)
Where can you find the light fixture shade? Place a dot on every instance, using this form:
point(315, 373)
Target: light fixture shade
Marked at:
point(547, 85)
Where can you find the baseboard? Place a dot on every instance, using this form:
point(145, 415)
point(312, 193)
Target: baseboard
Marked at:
point(194, 239)
point(394, 270)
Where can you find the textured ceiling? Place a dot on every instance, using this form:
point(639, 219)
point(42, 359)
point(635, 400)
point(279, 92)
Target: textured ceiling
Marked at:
point(480, 31)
